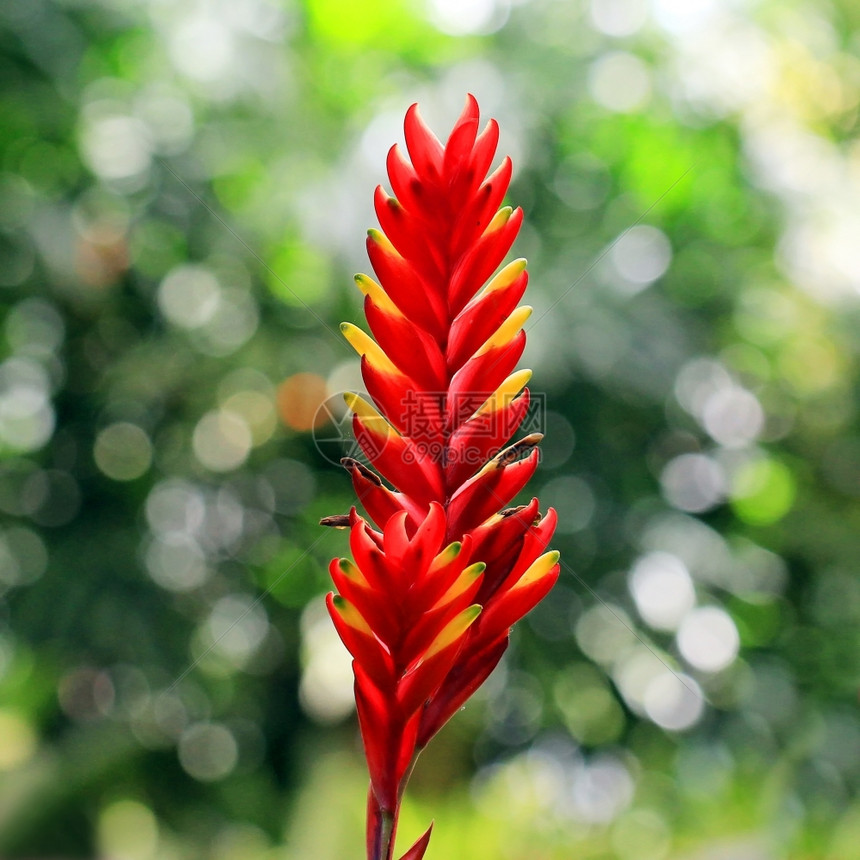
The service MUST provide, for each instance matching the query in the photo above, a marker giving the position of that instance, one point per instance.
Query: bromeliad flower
(427, 604)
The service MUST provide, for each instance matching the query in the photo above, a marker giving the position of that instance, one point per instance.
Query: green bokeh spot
(587, 706)
(758, 617)
(235, 189)
(157, 246)
(298, 275)
(659, 167)
(293, 577)
(392, 25)
(764, 492)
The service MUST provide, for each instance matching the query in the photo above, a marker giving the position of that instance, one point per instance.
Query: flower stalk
(441, 568)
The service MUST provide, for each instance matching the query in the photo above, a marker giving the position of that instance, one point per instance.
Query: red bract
(427, 604)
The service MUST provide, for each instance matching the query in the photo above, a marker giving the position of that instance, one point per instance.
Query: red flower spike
(427, 605)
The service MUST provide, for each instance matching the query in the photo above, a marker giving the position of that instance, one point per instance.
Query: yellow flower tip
(350, 615)
(359, 405)
(352, 572)
(467, 577)
(379, 238)
(501, 218)
(453, 630)
(353, 401)
(373, 421)
(473, 571)
(506, 276)
(506, 392)
(446, 556)
(451, 551)
(378, 296)
(348, 568)
(508, 330)
(539, 568)
(366, 346)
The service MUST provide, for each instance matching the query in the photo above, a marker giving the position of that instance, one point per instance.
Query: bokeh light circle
(208, 751)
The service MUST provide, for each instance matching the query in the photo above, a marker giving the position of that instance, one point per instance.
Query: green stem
(389, 829)
(387, 822)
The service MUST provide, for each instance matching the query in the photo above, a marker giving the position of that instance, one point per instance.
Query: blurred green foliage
(183, 194)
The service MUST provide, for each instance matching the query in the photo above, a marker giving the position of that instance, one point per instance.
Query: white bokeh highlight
(708, 639)
(662, 589)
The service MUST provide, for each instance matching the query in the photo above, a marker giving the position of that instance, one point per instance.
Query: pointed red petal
(510, 607)
(403, 285)
(500, 542)
(426, 543)
(482, 496)
(479, 377)
(482, 260)
(458, 686)
(374, 720)
(417, 851)
(401, 461)
(407, 234)
(422, 360)
(424, 147)
(480, 318)
(459, 145)
(405, 183)
(485, 150)
(379, 502)
(415, 413)
(376, 612)
(420, 683)
(432, 621)
(535, 542)
(476, 441)
(367, 650)
(396, 541)
(369, 558)
(443, 572)
(465, 185)
(479, 211)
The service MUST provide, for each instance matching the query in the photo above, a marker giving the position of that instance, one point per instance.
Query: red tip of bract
(423, 146)
(417, 851)
(461, 141)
